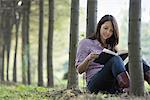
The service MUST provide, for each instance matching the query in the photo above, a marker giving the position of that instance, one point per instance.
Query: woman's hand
(84, 65)
(91, 57)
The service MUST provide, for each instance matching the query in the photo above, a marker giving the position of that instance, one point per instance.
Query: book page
(122, 52)
(104, 56)
(109, 51)
(126, 61)
(107, 54)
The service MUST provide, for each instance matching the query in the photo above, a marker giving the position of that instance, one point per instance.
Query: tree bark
(50, 80)
(25, 43)
(91, 17)
(1, 46)
(74, 31)
(16, 46)
(134, 46)
(40, 52)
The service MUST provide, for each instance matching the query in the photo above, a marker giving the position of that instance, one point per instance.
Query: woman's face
(106, 30)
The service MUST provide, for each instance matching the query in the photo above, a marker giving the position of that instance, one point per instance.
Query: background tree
(40, 52)
(74, 31)
(1, 46)
(1, 59)
(7, 24)
(25, 43)
(7, 21)
(50, 80)
(28, 42)
(15, 53)
(91, 17)
(134, 47)
(17, 24)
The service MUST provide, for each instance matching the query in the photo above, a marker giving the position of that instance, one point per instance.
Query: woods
(17, 22)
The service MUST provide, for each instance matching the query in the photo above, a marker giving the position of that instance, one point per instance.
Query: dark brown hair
(114, 39)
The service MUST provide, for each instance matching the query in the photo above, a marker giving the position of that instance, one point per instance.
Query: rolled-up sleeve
(82, 51)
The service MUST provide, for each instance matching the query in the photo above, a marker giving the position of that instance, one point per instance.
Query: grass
(23, 92)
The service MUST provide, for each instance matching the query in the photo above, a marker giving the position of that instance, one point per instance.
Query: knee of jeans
(117, 65)
(116, 59)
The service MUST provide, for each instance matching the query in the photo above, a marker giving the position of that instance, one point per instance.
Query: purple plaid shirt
(86, 46)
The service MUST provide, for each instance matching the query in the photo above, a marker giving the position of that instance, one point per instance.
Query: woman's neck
(103, 42)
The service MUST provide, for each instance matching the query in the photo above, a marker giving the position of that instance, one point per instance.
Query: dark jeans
(105, 79)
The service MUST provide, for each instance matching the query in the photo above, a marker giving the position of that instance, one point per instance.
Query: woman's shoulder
(86, 41)
(89, 42)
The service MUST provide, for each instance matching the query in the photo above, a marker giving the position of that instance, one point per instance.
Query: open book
(107, 54)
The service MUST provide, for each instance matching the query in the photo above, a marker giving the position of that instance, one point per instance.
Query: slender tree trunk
(15, 54)
(1, 49)
(91, 17)
(134, 45)
(28, 42)
(8, 45)
(8, 25)
(17, 24)
(25, 43)
(1, 59)
(24, 55)
(2, 71)
(6, 30)
(50, 80)
(40, 52)
(74, 31)
(1, 46)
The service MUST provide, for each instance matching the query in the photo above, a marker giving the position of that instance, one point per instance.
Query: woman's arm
(84, 65)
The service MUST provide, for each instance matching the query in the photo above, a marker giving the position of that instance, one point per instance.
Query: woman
(111, 77)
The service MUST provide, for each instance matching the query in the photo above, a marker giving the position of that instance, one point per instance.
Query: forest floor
(22, 92)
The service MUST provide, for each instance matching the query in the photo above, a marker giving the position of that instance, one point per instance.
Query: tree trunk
(7, 24)
(40, 52)
(17, 24)
(25, 43)
(28, 42)
(74, 31)
(8, 33)
(1, 49)
(50, 80)
(24, 55)
(134, 46)
(15, 53)
(91, 17)
(1, 58)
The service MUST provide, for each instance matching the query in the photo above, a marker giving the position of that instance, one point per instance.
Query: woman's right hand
(91, 57)
(84, 65)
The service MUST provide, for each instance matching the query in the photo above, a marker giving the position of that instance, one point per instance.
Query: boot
(123, 79)
(147, 76)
